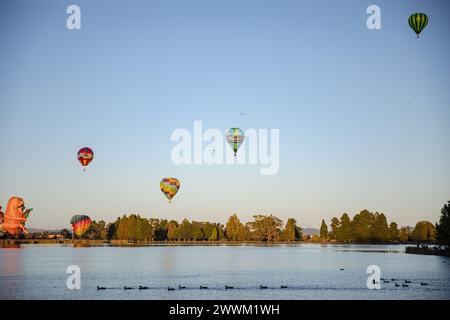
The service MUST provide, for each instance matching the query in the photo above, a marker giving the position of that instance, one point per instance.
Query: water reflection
(9, 245)
(309, 271)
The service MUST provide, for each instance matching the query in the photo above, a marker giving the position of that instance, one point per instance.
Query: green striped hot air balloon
(235, 137)
(418, 22)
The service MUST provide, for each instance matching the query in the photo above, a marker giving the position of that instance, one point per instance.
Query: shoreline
(179, 243)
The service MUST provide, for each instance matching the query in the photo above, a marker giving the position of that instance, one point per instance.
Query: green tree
(184, 230)
(197, 231)
(111, 229)
(405, 234)
(291, 231)
(394, 233)
(443, 228)
(132, 228)
(424, 231)
(131, 231)
(362, 226)
(265, 228)
(345, 231)
(323, 231)
(96, 231)
(172, 230)
(221, 231)
(144, 229)
(235, 230)
(207, 230)
(214, 235)
(122, 228)
(158, 229)
(379, 230)
(335, 224)
(103, 232)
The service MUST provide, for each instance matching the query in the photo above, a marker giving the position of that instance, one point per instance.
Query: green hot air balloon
(235, 137)
(418, 22)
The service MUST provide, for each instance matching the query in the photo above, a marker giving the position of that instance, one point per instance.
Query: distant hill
(37, 230)
(311, 231)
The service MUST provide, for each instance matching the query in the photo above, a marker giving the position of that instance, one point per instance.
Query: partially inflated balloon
(85, 156)
(80, 224)
(235, 137)
(417, 22)
(170, 187)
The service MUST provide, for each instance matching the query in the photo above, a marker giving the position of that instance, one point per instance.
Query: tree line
(364, 227)
(369, 227)
(268, 228)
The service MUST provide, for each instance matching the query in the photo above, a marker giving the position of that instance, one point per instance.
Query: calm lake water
(310, 272)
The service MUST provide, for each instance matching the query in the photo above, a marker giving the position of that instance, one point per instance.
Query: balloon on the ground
(235, 137)
(170, 187)
(80, 224)
(417, 22)
(2, 230)
(14, 218)
(85, 156)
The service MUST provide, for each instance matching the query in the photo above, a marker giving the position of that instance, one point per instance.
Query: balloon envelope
(418, 22)
(85, 156)
(170, 187)
(235, 137)
(80, 224)
(15, 217)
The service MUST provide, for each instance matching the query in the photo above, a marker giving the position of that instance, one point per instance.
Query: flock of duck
(179, 288)
(397, 283)
(405, 283)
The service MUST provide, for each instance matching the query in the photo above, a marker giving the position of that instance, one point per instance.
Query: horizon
(362, 114)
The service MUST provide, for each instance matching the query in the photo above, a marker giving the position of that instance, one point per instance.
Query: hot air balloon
(418, 22)
(170, 187)
(14, 219)
(85, 156)
(80, 224)
(235, 137)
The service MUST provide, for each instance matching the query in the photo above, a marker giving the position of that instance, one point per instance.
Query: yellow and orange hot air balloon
(170, 187)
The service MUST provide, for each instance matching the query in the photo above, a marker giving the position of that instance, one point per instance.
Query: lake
(309, 271)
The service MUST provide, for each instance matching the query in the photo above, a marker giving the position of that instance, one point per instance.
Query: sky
(363, 115)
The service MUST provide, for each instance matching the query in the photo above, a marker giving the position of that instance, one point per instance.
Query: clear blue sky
(363, 115)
